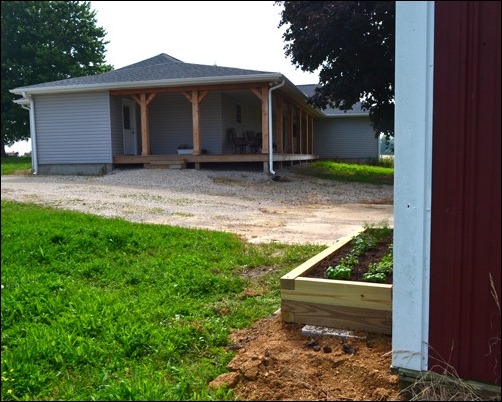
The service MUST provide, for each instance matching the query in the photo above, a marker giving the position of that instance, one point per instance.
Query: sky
(240, 34)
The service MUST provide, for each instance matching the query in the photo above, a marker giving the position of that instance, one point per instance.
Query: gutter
(230, 79)
(28, 103)
(270, 139)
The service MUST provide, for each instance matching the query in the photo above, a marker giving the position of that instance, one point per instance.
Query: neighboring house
(344, 135)
(142, 113)
(447, 191)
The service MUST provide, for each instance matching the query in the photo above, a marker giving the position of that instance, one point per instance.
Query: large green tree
(352, 42)
(45, 41)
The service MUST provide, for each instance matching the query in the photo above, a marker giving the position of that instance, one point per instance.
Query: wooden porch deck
(182, 160)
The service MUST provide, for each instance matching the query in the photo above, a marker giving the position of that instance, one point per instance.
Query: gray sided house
(344, 136)
(162, 112)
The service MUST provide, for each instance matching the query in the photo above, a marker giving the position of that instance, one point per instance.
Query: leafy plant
(365, 241)
(378, 277)
(339, 272)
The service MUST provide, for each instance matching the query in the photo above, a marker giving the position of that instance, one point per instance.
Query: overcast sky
(241, 34)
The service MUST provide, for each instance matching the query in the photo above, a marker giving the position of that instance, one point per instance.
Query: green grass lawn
(374, 172)
(104, 309)
(16, 165)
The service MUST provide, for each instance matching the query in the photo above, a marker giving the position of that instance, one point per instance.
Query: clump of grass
(431, 386)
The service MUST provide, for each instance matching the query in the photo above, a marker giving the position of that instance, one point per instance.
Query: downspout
(270, 139)
(33, 134)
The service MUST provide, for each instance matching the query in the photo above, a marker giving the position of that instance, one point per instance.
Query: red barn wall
(466, 190)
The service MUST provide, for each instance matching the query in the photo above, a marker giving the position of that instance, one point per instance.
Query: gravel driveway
(295, 209)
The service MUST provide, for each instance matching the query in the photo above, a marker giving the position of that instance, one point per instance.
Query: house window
(238, 113)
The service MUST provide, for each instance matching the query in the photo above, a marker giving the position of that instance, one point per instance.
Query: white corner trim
(412, 183)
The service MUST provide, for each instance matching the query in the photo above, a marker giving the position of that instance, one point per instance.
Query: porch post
(280, 125)
(300, 128)
(311, 126)
(196, 98)
(143, 102)
(290, 129)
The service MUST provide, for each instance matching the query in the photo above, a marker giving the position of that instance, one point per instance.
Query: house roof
(356, 110)
(161, 70)
(166, 71)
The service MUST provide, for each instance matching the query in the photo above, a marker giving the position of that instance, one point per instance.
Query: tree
(353, 44)
(45, 41)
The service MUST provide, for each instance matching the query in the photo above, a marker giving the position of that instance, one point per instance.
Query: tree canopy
(45, 41)
(352, 42)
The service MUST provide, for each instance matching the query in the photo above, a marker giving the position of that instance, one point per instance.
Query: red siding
(466, 190)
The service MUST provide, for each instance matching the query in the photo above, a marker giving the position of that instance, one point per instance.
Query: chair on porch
(253, 140)
(239, 143)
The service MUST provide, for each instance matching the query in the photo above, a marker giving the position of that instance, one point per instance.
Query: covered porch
(201, 118)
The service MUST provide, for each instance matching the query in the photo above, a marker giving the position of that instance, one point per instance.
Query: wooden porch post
(307, 133)
(196, 99)
(311, 126)
(290, 129)
(300, 128)
(143, 102)
(279, 125)
(263, 96)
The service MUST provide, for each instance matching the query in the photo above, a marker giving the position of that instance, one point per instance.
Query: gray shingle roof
(161, 67)
(309, 90)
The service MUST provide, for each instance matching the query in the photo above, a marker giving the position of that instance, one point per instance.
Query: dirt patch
(276, 361)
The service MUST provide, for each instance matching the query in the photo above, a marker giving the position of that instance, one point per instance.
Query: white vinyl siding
(171, 123)
(73, 128)
(350, 138)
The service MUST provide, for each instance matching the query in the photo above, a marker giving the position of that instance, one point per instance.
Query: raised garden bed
(308, 297)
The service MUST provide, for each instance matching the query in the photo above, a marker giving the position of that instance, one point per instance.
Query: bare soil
(275, 361)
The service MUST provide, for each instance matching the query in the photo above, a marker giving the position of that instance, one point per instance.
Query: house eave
(275, 77)
(345, 115)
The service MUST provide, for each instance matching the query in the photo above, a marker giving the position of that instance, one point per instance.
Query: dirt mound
(277, 361)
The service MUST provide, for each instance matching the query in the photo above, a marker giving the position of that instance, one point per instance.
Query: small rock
(348, 349)
(327, 349)
(311, 343)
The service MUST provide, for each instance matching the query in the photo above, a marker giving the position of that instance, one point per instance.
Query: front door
(129, 127)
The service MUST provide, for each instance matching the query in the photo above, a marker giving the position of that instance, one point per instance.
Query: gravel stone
(293, 209)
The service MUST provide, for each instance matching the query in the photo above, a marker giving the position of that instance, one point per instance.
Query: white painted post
(412, 183)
